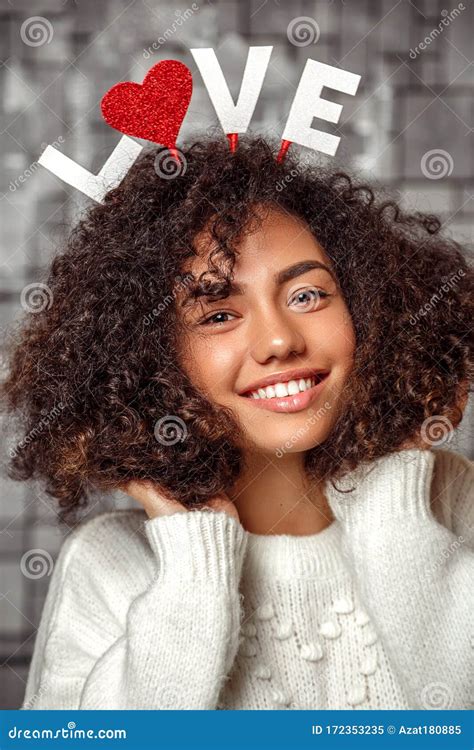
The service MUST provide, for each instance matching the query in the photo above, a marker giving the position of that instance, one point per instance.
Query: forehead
(272, 242)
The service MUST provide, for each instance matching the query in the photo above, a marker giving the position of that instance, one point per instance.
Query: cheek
(208, 367)
(346, 339)
(344, 350)
(335, 335)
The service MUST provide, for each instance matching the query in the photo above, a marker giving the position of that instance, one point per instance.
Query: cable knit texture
(190, 611)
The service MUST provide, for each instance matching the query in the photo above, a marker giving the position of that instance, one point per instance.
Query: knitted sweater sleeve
(415, 574)
(178, 638)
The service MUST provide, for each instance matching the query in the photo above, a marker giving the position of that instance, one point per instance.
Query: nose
(274, 335)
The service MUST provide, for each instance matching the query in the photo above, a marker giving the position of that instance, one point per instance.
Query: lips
(290, 404)
(284, 377)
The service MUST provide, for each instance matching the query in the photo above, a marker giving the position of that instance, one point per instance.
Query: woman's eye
(211, 319)
(310, 298)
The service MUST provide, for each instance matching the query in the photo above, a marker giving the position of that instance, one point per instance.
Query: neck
(273, 496)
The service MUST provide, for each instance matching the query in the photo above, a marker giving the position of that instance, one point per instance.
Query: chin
(287, 442)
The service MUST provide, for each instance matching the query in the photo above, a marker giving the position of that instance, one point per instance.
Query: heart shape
(153, 110)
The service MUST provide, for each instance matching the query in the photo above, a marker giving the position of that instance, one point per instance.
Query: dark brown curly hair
(91, 375)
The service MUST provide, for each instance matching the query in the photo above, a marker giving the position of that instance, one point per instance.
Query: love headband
(155, 109)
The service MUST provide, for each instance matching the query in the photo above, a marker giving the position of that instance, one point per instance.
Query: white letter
(94, 186)
(308, 104)
(234, 118)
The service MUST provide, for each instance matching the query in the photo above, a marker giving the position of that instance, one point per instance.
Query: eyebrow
(299, 268)
(286, 274)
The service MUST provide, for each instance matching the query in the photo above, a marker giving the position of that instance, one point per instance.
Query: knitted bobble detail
(283, 631)
(343, 606)
(357, 693)
(330, 629)
(265, 612)
(312, 651)
(361, 617)
(263, 672)
(249, 630)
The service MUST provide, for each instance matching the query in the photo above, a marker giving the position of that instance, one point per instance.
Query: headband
(155, 109)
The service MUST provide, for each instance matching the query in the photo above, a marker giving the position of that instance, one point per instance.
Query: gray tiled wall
(410, 101)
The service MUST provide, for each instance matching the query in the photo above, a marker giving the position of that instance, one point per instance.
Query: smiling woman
(285, 310)
(124, 377)
(284, 360)
(282, 346)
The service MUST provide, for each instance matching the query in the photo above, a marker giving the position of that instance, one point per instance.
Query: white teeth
(280, 390)
(293, 388)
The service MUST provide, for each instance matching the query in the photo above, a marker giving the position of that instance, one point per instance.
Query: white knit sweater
(190, 611)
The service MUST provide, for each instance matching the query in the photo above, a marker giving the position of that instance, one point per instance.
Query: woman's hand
(158, 502)
(422, 439)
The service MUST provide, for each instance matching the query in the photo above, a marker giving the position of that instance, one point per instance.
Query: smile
(289, 397)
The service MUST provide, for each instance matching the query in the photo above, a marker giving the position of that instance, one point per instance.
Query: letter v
(234, 118)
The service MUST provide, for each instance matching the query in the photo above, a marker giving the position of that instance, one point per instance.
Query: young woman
(267, 358)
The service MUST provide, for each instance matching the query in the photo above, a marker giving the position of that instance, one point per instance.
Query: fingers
(155, 500)
(223, 503)
(159, 502)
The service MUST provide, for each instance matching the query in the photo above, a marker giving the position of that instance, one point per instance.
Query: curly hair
(92, 375)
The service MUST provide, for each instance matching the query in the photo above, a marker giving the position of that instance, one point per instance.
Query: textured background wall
(416, 96)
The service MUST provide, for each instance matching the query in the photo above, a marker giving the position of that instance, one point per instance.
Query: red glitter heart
(155, 109)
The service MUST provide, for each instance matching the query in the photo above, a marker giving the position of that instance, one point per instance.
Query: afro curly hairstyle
(94, 386)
